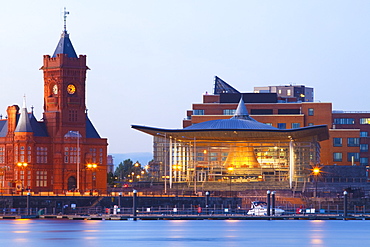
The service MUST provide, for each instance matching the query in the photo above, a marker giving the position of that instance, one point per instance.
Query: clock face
(55, 89)
(71, 89)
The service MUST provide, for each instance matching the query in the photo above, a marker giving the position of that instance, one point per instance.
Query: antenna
(65, 19)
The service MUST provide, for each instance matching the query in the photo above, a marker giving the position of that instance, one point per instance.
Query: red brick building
(348, 131)
(62, 152)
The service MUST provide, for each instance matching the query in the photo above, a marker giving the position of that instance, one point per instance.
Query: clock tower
(64, 89)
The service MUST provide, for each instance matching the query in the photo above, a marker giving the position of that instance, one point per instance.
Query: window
(289, 92)
(337, 142)
(289, 111)
(72, 116)
(337, 156)
(310, 124)
(363, 134)
(364, 161)
(296, 125)
(2, 155)
(353, 142)
(279, 92)
(42, 154)
(41, 178)
(198, 112)
(364, 120)
(310, 111)
(261, 111)
(213, 156)
(281, 125)
(226, 112)
(344, 121)
(269, 124)
(364, 147)
(355, 155)
(200, 156)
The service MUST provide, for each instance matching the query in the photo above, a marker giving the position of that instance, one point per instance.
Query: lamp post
(92, 167)
(22, 166)
(230, 170)
(316, 171)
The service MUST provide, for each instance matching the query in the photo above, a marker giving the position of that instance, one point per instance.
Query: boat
(259, 208)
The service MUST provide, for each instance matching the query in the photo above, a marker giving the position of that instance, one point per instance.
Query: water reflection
(183, 233)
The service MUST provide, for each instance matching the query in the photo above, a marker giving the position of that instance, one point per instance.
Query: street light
(316, 172)
(92, 167)
(22, 165)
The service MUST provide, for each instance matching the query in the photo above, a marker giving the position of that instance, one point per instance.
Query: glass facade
(187, 161)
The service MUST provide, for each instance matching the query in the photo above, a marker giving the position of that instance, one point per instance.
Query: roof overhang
(320, 131)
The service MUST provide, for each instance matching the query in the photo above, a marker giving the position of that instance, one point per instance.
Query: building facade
(348, 142)
(62, 152)
(235, 149)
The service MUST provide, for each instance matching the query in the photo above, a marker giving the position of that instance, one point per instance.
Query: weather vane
(65, 18)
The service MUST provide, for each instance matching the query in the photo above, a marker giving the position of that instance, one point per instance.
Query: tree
(129, 171)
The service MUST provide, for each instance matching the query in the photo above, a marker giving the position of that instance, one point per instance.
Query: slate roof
(65, 46)
(3, 128)
(23, 124)
(90, 130)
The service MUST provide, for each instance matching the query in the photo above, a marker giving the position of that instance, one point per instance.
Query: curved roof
(233, 123)
(240, 127)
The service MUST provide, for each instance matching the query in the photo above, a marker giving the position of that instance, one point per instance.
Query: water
(184, 233)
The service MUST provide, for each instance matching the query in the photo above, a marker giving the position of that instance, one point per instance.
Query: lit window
(337, 142)
(289, 92)
(269, 124)
(364, 120)
(337, 157)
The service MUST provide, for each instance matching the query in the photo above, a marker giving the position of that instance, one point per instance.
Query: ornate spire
(65, 13)
(65, 45)
(23, 124)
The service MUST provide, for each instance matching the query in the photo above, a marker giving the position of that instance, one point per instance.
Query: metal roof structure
(238, 128)
(65, 46)
(222, 87)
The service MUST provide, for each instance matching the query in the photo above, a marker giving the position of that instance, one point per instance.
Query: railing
(329, 209)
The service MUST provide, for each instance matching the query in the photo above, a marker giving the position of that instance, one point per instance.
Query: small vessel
(259, 208)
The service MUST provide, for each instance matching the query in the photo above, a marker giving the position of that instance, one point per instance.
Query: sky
(150, 60)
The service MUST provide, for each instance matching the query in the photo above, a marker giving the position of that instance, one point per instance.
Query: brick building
(63, 151)
(348, 142)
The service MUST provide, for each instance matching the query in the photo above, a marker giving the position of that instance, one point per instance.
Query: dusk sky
(150, 60)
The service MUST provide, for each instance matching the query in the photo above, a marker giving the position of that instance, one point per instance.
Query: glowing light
(316, 171)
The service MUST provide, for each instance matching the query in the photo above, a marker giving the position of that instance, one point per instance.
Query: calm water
(184, 233)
